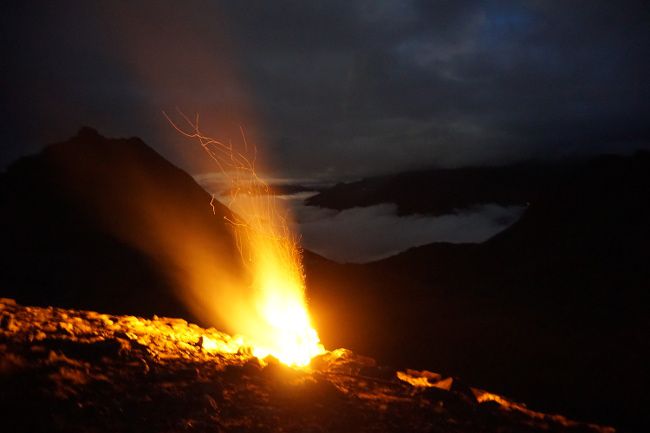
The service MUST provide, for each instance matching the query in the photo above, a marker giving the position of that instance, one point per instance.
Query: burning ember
(274, 317)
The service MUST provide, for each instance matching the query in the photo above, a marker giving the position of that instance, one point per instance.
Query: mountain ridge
(439, 191)
(550, 311)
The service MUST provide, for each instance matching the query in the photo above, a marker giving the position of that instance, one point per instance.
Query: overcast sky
(333, 88)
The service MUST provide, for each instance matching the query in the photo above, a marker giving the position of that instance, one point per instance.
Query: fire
(275, 321)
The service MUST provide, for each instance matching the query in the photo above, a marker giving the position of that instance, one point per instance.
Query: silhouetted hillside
(552, 311)
(554, 307)
(441, 191)
(62, 208)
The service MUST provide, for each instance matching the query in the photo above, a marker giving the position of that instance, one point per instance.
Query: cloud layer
(336, 88)
(364, 234)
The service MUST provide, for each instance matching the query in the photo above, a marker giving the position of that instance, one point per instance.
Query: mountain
(78, 223)
(442, 191)
(553, 310)
(66, 370)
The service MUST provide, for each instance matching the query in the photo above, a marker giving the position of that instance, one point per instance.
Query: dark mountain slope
(441, 191)
(68, 219)
(552, 311)
(556, 307)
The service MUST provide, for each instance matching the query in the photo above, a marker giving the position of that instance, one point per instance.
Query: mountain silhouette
(552, 311)
(64, 215)
(442, 191)
(554, 308)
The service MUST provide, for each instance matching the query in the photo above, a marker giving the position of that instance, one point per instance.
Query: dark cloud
(337, 87)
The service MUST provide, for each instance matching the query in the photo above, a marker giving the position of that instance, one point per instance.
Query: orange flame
(277, 322)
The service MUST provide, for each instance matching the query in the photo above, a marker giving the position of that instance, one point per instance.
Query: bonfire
(277, 323)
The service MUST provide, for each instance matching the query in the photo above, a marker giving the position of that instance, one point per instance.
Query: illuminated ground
(77, 371)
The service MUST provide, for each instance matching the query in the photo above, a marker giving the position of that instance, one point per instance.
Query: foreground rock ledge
(81, 371)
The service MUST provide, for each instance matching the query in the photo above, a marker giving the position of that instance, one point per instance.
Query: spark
(279, 323)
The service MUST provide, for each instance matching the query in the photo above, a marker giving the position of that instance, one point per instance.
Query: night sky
(334, 89)
(530, 281)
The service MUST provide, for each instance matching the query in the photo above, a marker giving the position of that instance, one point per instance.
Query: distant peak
(87, 132)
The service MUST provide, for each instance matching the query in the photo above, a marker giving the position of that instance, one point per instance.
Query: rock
(134, 374)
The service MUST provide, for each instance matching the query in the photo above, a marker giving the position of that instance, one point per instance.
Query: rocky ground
(80, 371)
